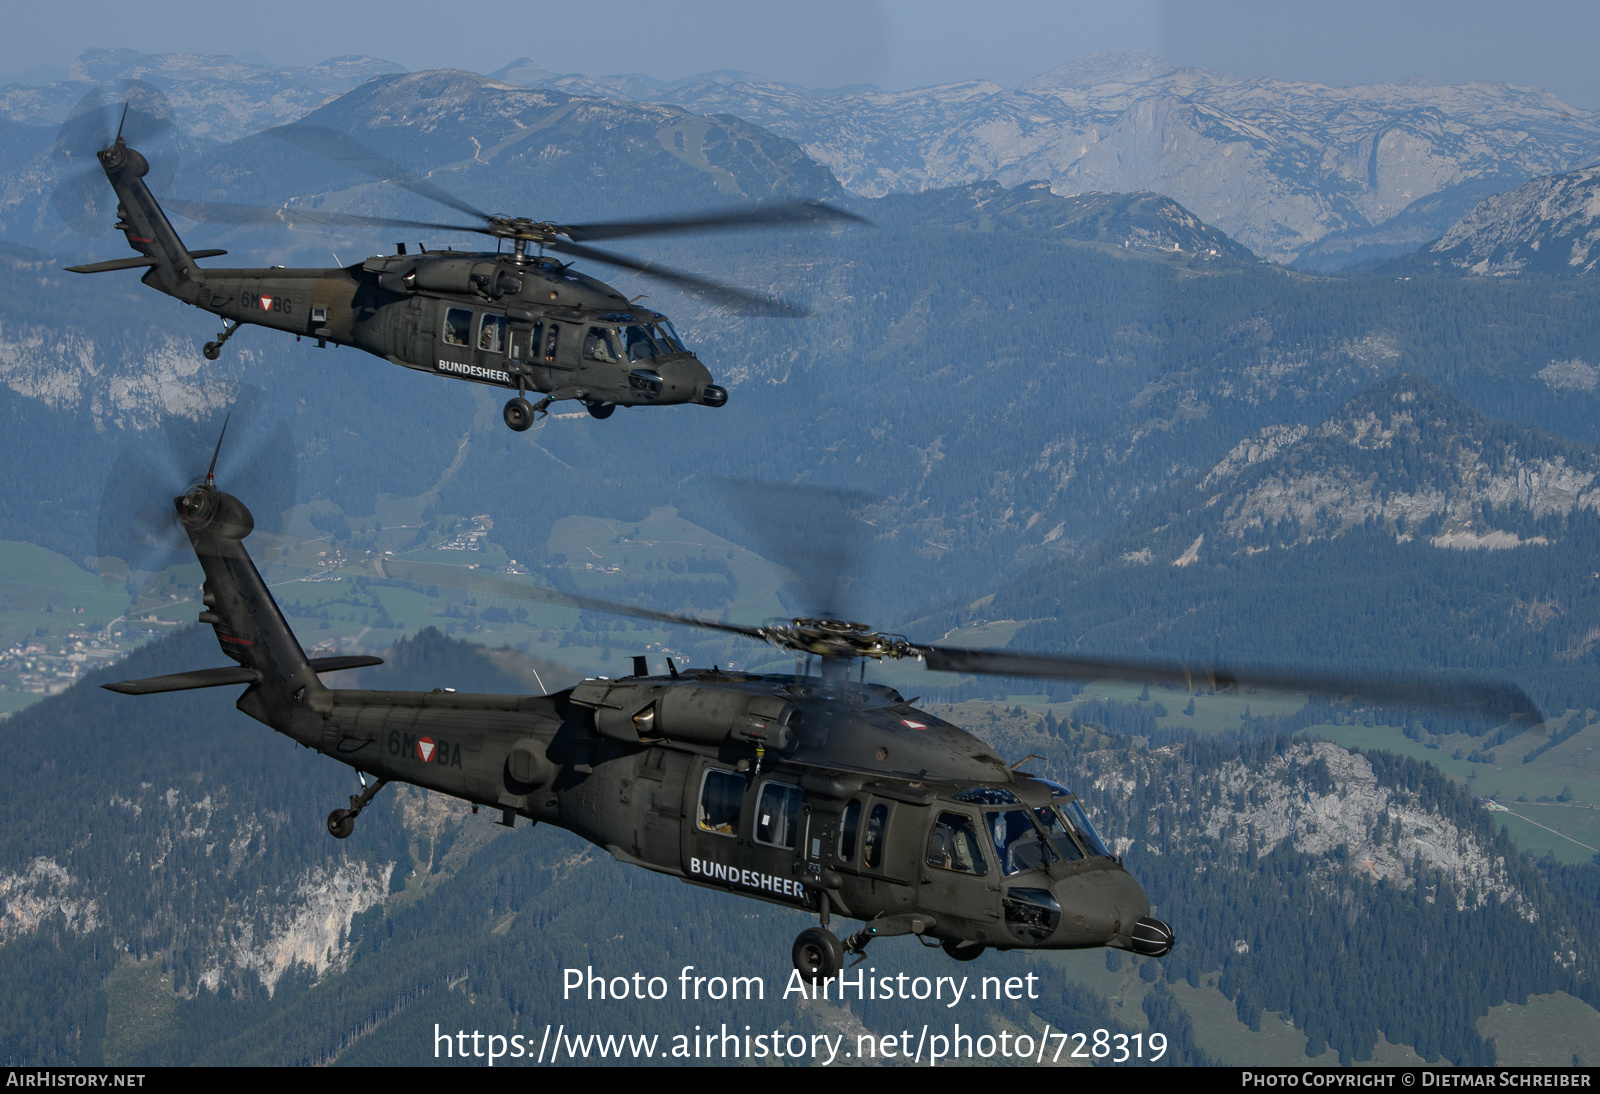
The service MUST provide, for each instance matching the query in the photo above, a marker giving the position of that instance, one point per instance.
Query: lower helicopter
(833, 796)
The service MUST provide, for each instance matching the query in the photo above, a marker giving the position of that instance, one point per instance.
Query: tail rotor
(132, 113)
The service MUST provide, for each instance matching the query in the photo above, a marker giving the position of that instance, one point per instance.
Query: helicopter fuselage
(515, 321)
(883, 811)
(538, 327)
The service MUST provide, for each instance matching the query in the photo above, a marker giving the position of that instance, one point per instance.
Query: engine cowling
(453, 275)
(689, 713)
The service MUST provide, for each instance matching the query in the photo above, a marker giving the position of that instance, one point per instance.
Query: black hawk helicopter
(814, 792)
(516, 320)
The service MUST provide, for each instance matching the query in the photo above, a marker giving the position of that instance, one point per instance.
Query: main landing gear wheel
(601, 410)
(518, 414)
(818, 954)
(962, 950)
(341, 822)
(213, 350)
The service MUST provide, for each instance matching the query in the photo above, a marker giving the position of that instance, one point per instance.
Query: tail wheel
(518, 414)
(212, 350)
(341, 822)
(962, 950)
(601, 410)
(818, 953)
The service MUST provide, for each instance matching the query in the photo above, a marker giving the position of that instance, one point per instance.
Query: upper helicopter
(833, 796)
(516, 319)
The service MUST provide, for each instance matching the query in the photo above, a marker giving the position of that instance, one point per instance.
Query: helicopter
(816, 792)
(513, 319)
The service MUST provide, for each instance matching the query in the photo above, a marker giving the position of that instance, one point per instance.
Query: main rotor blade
(752, 303)
(792, 214)
(811, 531)
(1435, 692)
(215, 212)
(333, 145)
(433, 573)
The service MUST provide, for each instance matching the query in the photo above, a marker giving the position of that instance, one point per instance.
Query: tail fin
(249, 627)
(140, 219)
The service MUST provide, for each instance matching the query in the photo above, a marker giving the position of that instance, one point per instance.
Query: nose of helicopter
(1107, 907)
(690, 381)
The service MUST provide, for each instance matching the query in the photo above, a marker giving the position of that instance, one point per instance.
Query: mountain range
(1297, 172)
(1324, 177)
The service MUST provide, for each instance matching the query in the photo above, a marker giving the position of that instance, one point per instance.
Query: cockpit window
(1059, 834)
(1017, 843)
(601, 345)
(720, 797)
(953, 845)
(638, 343)
(669, 335)
(1073, 813)
(778, 814)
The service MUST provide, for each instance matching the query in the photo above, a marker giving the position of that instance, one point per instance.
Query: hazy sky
(826, 43)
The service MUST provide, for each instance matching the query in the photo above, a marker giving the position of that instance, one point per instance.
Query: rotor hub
(197, 505)
(837, 639)
(522, 228)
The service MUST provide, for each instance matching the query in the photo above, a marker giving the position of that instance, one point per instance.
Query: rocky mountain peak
(1404, 456)
(1549, 226)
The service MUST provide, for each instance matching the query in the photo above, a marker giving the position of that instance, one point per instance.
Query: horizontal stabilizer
(334, 664)
(132, 263)
(188, 681)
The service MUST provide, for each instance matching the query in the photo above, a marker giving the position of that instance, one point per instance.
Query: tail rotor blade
(135, 112)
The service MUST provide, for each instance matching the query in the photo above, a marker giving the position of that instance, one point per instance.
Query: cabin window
(601, 345)
(877, 824)
(720, 798)
(953, 845)
(778, 814)
(458, 327)
(1017, 843)
(849, 830)
(551, 338)
(492, 334)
